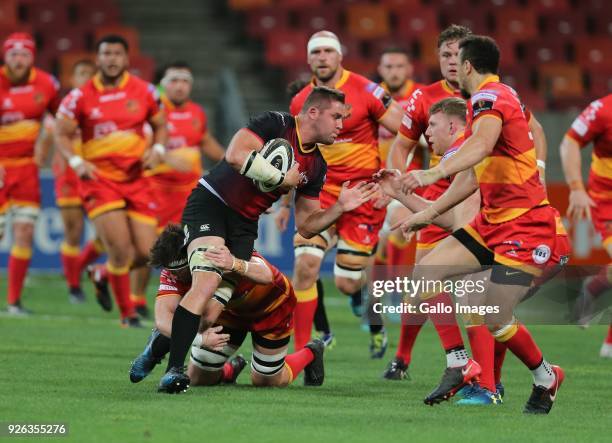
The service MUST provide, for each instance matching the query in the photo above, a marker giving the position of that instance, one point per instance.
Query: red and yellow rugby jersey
(354, 155)
(250, 300)
(385, 137)
(595, 125)
(240, 193)
(415, 121)
(111, 122)
(187, 126)
(509, 180)
(22, 108)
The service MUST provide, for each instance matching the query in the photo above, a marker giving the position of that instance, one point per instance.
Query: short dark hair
(113, 39)
(83, 62)
(168, 248)
(395, 50)
(296, 86)
(482, 52)
(179, 64)
(451, 106)
(322, 97)
(452, 33)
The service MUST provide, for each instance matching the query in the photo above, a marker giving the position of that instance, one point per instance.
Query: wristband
(158, 148)
(240, 266)
(75, 161)
(576, 185)
(541, 164)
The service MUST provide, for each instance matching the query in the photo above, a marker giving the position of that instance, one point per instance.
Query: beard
(325, 78)
(395, 88)
(465, 94)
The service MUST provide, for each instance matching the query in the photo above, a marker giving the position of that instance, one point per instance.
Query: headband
(330, 42)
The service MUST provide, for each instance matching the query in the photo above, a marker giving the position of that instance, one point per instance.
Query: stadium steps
(208, 38)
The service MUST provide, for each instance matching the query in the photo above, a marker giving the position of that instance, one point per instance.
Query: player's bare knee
(306, 271)
(348, 286)
(23, 234)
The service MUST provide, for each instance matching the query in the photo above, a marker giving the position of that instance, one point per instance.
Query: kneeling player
(262, 303)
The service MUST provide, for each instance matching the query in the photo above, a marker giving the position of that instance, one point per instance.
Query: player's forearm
(63, 143)
(540, 144)
(177, 161)
(255, 270)
(286, 200)
(461, 188)
(399, 151)
(392, 119)
(472, 152)
(43, 146)
(571, 162)
(417, 204)
(212, 149)
(317, 221)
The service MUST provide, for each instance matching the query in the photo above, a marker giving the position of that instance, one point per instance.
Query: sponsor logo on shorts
(541, 254)
(205, 227)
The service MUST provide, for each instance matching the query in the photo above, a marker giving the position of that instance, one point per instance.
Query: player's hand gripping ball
(279, 153)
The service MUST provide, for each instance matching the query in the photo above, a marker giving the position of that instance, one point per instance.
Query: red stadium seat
(41, 13)
(600, 83)
(266, 20)
(128, 33)
(351, 48)
(532, 99)
(564, 24)
(367, 21)
(594, 53)
(549, 6)
(313, 20)
(519, 24)
(413, 23)
(428, 44)
(301, 4)
(143, 66)
(64, 39)
(602, 24)
(478, 23)
(8, 12)
(397, 5)
(66, 62)
(245, 5)
(540, 51)
(98, 13)
(507, 48)
(7, 30)
(362, 66)
(518, 77)
(560, 80)
(454, 6)
(286, 48)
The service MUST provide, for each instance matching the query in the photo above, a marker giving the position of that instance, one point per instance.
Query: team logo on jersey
(39, 98)
(7, 103)
(132, 105)
(95, 113)
(541, 254)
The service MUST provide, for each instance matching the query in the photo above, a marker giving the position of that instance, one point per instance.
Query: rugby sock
(18, 264)
(482, 345)
(410, 328)
(543, 374)
(609, 337)
(446, 323)
(399, 251)
(521, 343)
(320, 316)
(160, 346)
(70, 263)
(119, 280)
(375, 329)
(184, 329)
(90, 253)
(600, 282)
(303, 316)
(297, 361)
(455, 358)
(498, 361)
(138, 300)
(228, 372)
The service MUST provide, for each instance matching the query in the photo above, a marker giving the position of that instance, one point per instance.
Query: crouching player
(262, 303)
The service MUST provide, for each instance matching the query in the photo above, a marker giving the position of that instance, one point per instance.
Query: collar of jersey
(489, 79)
(343, 78)
(168, 103)
(97, 82)
(447, 87)
(30, 78)
(402, 92)
(299, 137)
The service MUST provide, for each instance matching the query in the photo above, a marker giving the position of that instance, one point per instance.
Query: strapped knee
(199, 263)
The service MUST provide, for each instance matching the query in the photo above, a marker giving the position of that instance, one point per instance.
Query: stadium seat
(549, 6)
(564, 24)
(299, 4)
(367, 21)
(361, 65)
(286, 48)
(399, 5)
(143, 66)
(42, 13)
(8, 13)
(98, 13)
(130, 34)
(532, 99)
(413, 23)
(600, 83)
(545, 51)
(478, 23)
(594, 53)
(6, 30)
(559, 80)
(519, 24)
(316, 19)
(602, 24)
(266, 20)
(245, 5)
(66, 62)
(64, 39)
(518, 77)
(508, 50)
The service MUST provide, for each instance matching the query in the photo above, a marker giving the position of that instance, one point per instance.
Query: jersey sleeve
(377, 100)
(70, 106)
(167, 284)
(54, 96)
(587, 125)
(313, 188)
(489, 103)
(412, 122)
(268, 125)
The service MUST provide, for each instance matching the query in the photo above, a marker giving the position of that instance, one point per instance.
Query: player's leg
(309, 254)
(321, 321)
(70, 249)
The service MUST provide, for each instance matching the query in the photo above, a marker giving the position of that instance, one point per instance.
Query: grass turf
(69, 363)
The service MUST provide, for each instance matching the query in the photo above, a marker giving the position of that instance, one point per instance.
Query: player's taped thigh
(199, 263)
(224, 291)
(210, 360)
(317, 245)
(505, 275)
(24, 214)
(350, 261)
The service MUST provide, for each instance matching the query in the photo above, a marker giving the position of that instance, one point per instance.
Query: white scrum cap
(324, 39)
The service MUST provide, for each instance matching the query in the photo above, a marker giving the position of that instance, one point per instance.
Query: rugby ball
(279, 153)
